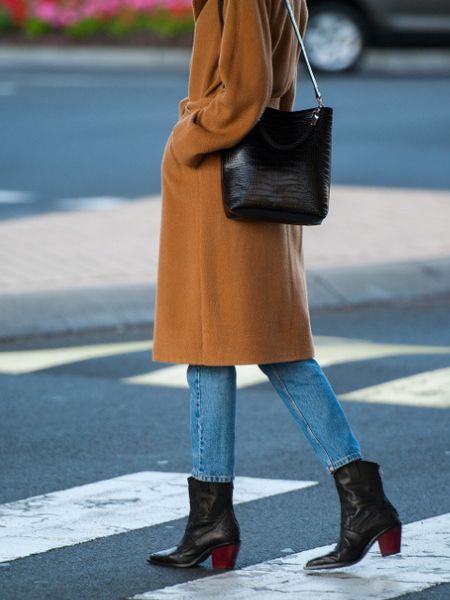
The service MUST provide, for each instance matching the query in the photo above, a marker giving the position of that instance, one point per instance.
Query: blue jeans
(303, 387)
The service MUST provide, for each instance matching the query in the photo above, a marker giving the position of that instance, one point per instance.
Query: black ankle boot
(212, 528)
(366, 516)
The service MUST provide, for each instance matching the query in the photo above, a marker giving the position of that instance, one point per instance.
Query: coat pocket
(169, 163)
(170, 150)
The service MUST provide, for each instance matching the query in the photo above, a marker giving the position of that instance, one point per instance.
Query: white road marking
(329, 351)
(431, 388)
(175, 376)
(424, 561)
(27, 361)
(333, 350)
(94, 203)
(15, 197)
(112, 506)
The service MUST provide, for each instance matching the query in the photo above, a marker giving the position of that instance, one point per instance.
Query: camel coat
(229, 292)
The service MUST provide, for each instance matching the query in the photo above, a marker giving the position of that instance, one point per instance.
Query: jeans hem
(344, 460)
(212, 478)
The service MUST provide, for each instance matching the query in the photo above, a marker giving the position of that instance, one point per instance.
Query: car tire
(336, 37)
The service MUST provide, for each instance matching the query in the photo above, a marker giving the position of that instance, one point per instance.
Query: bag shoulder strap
(299, 38)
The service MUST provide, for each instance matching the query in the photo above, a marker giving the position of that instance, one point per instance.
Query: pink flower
(60, 13)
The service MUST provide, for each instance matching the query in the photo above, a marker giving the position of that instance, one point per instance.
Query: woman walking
(233, 292)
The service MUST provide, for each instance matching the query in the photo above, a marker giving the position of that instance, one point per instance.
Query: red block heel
(389, 541)
(225, 556)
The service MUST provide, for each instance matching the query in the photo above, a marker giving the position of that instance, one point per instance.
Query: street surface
(93, 411)
(94, 137)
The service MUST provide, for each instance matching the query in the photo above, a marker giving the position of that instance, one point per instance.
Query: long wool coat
(229, 292)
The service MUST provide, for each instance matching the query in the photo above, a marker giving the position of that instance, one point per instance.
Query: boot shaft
(211, 505)
(360, 491)
(359, 481)
(209, 499)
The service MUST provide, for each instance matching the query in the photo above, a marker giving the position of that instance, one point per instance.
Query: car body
(339, 31)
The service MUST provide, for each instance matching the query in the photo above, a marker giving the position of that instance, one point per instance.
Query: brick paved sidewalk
(365, 226)
(375, 244)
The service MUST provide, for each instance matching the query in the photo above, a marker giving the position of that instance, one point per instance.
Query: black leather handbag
(280, 171)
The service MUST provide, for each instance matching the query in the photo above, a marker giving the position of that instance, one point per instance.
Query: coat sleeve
(245, 69)
(181, 106)
(287, 100)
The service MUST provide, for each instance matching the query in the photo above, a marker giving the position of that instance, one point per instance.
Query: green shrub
(6, 23)
(35, 27)
(84, 28)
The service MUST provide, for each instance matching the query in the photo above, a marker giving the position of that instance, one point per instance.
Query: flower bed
(97, 21)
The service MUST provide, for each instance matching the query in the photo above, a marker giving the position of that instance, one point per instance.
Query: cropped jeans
(304, 389)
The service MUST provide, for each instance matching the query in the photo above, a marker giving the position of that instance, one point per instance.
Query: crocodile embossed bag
(280, 171)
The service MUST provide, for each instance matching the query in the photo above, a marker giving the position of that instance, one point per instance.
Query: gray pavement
(74, 417)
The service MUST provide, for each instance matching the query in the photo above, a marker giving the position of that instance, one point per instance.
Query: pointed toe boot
(367, 516)
(212, 529)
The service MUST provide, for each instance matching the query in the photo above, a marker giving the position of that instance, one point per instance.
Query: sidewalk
(86, 270)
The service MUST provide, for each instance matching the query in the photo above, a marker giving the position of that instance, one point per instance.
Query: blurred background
(89, 92)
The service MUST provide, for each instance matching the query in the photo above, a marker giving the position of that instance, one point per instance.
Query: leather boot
(366, 516)
(212, 528)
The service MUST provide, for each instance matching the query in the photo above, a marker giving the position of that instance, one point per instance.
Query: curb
(57, 313)
(397, 61)
(391, 282)
(93, 57)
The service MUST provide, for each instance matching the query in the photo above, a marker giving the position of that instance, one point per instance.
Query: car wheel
(335, 37)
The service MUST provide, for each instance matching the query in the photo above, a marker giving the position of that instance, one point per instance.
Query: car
(339, 31)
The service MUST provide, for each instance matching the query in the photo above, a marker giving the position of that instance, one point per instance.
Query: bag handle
(299, 38)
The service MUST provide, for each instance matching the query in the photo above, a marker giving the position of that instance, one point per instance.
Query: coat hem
(265, 359)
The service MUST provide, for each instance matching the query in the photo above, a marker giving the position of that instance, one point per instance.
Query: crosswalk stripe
(112, 506)
(15, 196)
(431, 388)
(175, 376)
(424, 561)
(90, 203)
(330, 350)
(428, 389)
(27, 361)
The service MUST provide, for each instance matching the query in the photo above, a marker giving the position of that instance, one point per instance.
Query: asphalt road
(74, 137)
(68, 420)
